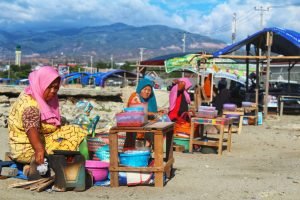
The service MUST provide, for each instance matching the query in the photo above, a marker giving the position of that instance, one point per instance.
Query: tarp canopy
(285, 42)
(160, 60)
(100, 77)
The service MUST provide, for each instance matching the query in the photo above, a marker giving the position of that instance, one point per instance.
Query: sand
(264, 164)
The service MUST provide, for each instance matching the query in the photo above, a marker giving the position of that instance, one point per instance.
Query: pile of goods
(207, 112)
(133, 116)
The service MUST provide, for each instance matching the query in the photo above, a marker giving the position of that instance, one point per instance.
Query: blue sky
(212, 18)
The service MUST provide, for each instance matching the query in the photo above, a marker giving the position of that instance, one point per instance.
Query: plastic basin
(98, 169)
(135, 158)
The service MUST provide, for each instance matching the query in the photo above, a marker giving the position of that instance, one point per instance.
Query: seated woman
(222, 97)
(144, 94)
(34, 121)
(179, 99)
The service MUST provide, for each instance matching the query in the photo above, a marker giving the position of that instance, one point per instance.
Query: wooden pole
(257, 87)
(247, 67)
(269, 45)
(137, 72)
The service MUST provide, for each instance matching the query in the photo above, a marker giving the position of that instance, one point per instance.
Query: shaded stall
(284, 43)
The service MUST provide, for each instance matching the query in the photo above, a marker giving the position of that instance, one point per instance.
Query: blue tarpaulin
(285, 42)
(99, 77)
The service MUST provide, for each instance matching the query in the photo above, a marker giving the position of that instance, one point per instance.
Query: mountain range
(120, 41)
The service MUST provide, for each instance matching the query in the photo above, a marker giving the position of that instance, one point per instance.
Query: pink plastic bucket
(99, 169)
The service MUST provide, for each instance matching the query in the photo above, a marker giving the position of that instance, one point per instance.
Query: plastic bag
(84, 107)
(164, 118)
(81, 120)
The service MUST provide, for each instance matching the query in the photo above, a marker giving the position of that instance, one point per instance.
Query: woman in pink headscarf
(179, 99)
(34, 121)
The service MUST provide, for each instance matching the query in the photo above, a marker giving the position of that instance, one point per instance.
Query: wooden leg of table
(220, 148)
(240, 124)
(192, 136)
(229, 137)
(169, 150)
(113, 148)
(281, 108)
(158, 158)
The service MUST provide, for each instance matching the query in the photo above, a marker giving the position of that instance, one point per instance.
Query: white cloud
(212, 18)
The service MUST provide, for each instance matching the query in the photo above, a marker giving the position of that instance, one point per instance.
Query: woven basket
(94, 144)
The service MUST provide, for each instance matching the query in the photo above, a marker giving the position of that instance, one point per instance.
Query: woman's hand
(39, 156)
(37, 145)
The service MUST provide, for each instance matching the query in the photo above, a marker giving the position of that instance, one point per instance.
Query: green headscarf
(152, 106)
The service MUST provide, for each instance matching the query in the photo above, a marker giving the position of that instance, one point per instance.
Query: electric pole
(262, 10)
(91, 64)
(183, 43)
(112, 61)
(233, 36)
(141, 53)
(8, 68)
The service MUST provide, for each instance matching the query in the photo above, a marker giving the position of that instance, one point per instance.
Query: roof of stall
(285, 42)
(160, 60)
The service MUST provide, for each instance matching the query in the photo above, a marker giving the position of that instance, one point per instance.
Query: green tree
(102, 65)
(20, 72)
(76, 68)
(127, 66)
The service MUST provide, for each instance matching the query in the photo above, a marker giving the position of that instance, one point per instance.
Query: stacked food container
(133, 116)
(207, 112)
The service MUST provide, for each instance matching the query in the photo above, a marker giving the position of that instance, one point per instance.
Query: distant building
(18, 55)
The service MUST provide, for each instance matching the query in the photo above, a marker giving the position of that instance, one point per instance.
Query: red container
(133, 119)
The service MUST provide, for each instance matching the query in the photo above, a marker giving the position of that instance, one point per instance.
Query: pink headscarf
(39, 80)
(174, 90)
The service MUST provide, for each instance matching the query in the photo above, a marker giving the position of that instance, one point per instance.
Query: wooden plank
(136, 169)
(192, 136)
(159, 125)
(113, 146)
(43, 186)
(221, 141)
(178, 148)
(158, 158)
(35, 186)
(26, 183)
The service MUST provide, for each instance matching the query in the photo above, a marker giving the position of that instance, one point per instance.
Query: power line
(228, 26)
(262, 10)
(285, 5)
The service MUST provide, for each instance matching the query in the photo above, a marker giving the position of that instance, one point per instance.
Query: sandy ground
(264, 164)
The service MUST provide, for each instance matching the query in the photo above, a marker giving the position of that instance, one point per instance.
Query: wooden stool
(240, 124)
(213, 142)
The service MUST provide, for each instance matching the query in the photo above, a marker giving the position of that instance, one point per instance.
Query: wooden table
(214, 142)
(241, 116)
(159, 129)
(282, 99)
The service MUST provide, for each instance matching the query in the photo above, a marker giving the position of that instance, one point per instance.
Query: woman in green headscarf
(144, 94)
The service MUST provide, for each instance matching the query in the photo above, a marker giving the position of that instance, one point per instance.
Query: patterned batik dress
(24, 114)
